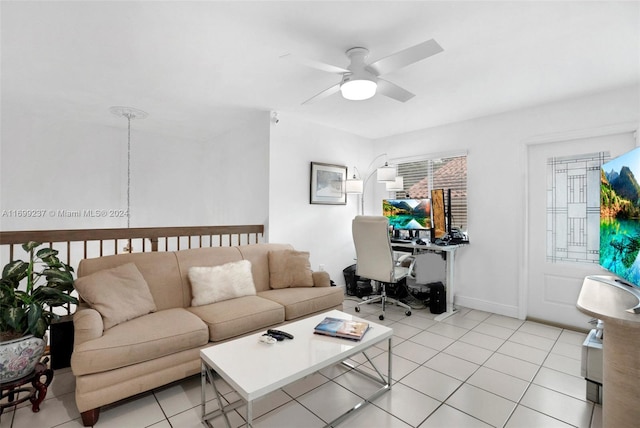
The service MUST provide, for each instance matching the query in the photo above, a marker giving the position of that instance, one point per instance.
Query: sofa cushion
(208, 256)
(300, 302)
(321, 279)
(159, 268)
(118, 294)
(258, 255)
(289, 268)
(142, 339)
(212, 284)
(238, 316)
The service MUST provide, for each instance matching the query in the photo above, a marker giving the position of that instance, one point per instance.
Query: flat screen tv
(408, 214)
(620, 217)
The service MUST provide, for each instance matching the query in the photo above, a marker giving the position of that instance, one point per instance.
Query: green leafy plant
(28, 310)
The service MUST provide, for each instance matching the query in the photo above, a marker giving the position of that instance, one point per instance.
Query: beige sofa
(147, 351)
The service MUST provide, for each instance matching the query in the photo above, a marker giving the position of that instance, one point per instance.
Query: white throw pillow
(218, 283)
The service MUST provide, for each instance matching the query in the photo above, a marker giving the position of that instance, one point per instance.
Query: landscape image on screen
(620, 216)
(406, 214)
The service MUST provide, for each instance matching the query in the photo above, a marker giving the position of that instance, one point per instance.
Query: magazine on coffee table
(346, 329)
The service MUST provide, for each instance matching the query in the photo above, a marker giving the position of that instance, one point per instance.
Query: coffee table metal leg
(249, 414)
(207, 373)
(389, 365)
(386, 386)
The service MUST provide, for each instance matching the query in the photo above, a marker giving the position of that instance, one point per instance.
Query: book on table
(346, 329)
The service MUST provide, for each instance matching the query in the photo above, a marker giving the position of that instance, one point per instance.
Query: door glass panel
(573, 207)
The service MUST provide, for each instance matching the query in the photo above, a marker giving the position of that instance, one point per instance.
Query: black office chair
(375, 258)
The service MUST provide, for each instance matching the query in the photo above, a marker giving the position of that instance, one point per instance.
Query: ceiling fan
(361, 81)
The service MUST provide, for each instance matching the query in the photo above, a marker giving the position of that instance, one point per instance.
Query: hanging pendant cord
(129, 171)
(129, 113)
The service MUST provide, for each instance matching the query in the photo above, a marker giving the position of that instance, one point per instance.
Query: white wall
(53, 164)
(488, 271)
(324, 230)
(237, 175)
(167, 177)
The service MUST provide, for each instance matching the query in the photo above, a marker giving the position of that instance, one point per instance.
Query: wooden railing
(150, 238)
(76, 244)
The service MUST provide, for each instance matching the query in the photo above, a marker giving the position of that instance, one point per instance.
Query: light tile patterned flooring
(474, 369)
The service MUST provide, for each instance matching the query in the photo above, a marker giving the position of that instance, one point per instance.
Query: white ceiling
(199, 67)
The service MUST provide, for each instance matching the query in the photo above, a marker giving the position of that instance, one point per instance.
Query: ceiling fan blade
(405, 57)
(315, 64)
(394, 91)
(324, 94)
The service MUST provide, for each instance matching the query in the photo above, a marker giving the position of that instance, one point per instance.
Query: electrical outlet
(321, 267)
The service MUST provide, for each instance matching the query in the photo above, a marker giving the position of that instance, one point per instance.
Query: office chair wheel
(357, 308)
(408, 313)
(381, 317)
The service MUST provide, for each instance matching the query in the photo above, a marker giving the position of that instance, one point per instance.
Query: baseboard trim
(558, 325)
(484, 305)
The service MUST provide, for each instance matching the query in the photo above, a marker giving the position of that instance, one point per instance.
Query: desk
(601, 297)
(450, 252)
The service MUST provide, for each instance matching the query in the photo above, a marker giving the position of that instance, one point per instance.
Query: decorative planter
(19, 357)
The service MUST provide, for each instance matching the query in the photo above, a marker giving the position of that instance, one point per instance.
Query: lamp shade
(386, 173)
(358, 89)
(354, 186)
(396, 186)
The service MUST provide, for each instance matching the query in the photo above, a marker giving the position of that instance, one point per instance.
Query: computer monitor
(620, 217)
(408, 214)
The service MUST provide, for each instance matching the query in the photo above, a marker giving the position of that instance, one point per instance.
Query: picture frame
(327, 184)
(438, 215)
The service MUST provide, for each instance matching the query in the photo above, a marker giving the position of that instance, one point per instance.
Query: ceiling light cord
(129, 113)
(128, 116)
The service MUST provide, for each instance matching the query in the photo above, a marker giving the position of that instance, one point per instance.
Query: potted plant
(28, 292)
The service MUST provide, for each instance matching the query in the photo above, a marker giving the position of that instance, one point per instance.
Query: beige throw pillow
(289, 268)
(118, 294)
(218, 283)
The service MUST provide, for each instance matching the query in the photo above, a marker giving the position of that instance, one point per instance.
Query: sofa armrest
(87, 325)
(321, 279)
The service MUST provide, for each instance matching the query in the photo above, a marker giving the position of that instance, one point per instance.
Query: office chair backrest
(373, 248)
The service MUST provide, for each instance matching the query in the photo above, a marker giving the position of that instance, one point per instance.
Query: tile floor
(475, 369)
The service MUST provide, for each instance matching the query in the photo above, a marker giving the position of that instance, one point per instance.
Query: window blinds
(422, 176)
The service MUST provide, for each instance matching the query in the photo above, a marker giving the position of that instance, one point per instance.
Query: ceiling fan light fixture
(358, 89)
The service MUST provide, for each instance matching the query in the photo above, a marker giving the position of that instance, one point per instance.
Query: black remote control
(275, 333)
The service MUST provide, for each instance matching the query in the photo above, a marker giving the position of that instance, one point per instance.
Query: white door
(563, 223)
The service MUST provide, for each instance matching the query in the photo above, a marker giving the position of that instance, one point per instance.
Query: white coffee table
(254, 369)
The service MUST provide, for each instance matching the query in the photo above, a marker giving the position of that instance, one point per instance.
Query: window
(445, 172)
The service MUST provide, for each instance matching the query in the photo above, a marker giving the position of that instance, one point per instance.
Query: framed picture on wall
(328, 184)
(438, 215)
